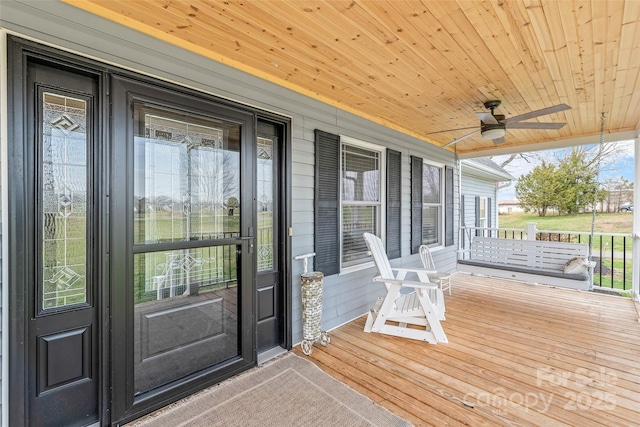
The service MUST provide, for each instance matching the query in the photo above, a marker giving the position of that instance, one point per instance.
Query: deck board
(518, 354)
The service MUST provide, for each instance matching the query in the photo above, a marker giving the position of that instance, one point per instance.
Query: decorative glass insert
(64, 201)
(186, 179)
(264, 238)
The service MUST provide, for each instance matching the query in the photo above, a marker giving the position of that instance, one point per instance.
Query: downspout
(4, 203)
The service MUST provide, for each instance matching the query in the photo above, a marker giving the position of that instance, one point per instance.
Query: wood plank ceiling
(422, 67)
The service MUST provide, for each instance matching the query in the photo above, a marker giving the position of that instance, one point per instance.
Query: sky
(622, 166)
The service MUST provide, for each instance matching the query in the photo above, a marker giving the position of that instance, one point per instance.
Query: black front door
(55, 276)
(146, 238)
(182, 233)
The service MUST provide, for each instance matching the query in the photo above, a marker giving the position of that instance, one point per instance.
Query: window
(351, 179)
(432, 204)
(362, 175)
(482, 213)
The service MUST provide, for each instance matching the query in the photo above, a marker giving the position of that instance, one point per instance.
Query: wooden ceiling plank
(628, 62)
(392, 89)
(517, 23)
(544, 81)
(416, 39)
(418, 65)
(515, 104)
(305, 76)
(614, 26)
(574, 72)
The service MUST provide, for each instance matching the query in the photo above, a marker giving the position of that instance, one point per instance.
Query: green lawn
(605, 222)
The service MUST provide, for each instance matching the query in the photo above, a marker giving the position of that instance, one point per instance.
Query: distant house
(507, 207)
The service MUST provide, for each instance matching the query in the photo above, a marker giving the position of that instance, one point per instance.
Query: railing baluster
(573, 237)
(624, 263)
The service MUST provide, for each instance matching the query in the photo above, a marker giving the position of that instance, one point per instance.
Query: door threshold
(270, 354)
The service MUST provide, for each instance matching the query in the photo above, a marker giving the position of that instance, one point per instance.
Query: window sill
(355, 268)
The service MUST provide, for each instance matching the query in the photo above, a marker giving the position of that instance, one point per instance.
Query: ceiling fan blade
(452, 130)
(455, 141)
(535, 125)
(487, 118)
(536, 113)
(498, 141)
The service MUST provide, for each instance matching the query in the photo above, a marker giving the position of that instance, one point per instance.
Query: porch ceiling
(425, 66)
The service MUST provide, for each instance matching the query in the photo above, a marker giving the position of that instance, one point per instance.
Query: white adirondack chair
(415, 314)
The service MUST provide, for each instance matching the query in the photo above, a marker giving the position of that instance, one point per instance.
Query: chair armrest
(414, 270)
(407, 283)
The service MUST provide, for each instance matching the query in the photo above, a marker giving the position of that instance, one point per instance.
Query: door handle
(250, 239)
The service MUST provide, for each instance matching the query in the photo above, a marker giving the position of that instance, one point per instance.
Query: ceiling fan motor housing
(492, 131)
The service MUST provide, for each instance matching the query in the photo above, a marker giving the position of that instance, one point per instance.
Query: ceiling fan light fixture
(493, 131)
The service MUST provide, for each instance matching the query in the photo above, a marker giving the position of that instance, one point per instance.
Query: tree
(570, 186)
(537, 190)
(619, 190)
(577, 183)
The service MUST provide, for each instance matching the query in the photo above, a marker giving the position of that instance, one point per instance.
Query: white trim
(382, 151)
(635, 266)
(4, 194)
(539, 146)
(441, 204)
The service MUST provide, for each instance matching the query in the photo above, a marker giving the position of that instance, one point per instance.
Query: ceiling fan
(493, 126)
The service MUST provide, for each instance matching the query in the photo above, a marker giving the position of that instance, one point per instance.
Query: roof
(486, 168)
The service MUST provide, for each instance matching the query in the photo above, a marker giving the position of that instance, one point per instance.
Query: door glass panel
(264, 238)
(64, 201)
(186, 189)
(186, 184)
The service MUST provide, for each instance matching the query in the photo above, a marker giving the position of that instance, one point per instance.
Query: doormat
(287, 391)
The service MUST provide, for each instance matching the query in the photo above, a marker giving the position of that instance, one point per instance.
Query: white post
(531, 231)
(635, 277)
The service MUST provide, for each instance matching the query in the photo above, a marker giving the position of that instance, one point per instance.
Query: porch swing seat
(411, 308)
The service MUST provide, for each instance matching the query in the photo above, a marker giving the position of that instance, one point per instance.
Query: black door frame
(20, 243)
(19, 50)
(124, 92)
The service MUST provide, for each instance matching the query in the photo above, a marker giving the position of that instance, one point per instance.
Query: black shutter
(394, 178)
(416, 204)
(477, 215)
(464, 233)
(489, 221)
(489, 211)
(327, 202)
(448, 206)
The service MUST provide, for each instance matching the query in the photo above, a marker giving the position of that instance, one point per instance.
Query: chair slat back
(376, 247)
(426, 258)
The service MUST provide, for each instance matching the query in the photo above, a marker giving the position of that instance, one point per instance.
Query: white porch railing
(612, 252)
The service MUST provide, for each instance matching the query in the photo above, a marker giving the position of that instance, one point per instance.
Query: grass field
(605, 222)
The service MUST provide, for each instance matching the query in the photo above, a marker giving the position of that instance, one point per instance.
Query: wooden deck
(518, 354)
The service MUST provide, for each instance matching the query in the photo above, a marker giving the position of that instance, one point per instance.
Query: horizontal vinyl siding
(345, 296)
(472, 187)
